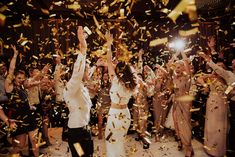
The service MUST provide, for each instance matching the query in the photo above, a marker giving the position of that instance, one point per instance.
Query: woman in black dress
(19, 109)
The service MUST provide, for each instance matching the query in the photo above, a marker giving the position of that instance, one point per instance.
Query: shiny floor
(166, 148)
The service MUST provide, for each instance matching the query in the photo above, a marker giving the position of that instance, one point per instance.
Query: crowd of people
(26, 102)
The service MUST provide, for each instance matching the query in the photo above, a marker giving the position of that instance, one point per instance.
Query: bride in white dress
(122, 88)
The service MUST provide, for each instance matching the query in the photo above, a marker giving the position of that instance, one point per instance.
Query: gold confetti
(100, 33)
(158, 42)
(24, 42)
(104, 9)
(194, 109)
(185, 98)
(35, 57)
(114, 2)
(3, 8)
(45, 11)
(78, 149)
(208, 148)
(188, 32)
(59, 3)
(195, 25)
(52, 15)
(88, 31)
(96, 22)
(109, 136)
(26, 21)
(229, 89)
(165, 10)
(17, 25)
(184, 5)
(41, 155)
(122, 14)
(75, 6)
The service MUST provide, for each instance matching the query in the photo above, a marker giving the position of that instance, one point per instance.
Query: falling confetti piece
(158, 42)
(78, 149)
(41, 155)
(109, 136)
(96, 22)
(122, 13)
(2, 19)
(17, 25)
(3, 8)
(229, 89)
(59, 3)
(52, 15)
(104, 9)
(88, 31)
(35, 57)
(24, 42)
(188, 32)
(195, 109)
(180, 8)
(185, 98)
(206, 147)
(75, 6)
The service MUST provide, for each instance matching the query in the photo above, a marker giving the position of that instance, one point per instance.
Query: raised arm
(80, 64)
(58, 68)
(227, 75)
(13, 61)
(109, 38)
(161, 68)
(186, 63)
(172, 60)
(140, 61)
(82, 40)
(9, 79)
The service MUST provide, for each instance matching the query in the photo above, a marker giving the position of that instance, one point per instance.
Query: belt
(119, 106)
(86, 127)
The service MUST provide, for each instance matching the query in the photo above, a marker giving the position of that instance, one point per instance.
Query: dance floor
(166, 148)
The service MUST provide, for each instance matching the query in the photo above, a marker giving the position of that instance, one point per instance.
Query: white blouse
(119, 94)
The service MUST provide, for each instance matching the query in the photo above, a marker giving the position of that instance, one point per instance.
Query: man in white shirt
(79, 103)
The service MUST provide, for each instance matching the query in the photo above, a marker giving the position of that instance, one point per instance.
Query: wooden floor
(166, 148)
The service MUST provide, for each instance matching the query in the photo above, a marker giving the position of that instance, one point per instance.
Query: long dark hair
(125, 75)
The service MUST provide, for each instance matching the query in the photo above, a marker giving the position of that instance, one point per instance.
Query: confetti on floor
(166, 148)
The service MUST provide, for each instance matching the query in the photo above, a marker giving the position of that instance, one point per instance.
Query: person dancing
(122, 88)
(79, 103)
(161, 100)
(19, 108)
(181, 109)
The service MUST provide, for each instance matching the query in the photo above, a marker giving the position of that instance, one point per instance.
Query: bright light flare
(178, 44)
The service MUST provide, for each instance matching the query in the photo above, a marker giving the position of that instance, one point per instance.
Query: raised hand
(101, 62)
(58, 59)
(82, 40)
(203, 55)
(109, 37)
(81, 34)
(46, 68)
(12, 124)
(147, 68)
(15, 50)
(141, 52)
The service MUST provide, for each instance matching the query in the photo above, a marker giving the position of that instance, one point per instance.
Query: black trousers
(83, 137)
